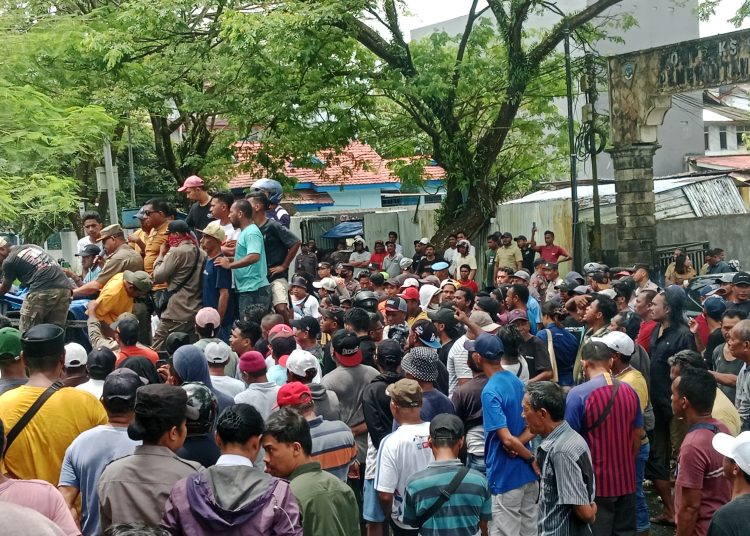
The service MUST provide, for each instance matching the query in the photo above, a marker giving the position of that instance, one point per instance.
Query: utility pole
(573, 155)
(110, 177)
(595, 250)
(131, 169)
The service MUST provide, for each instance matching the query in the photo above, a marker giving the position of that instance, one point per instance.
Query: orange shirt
(153, 244)
(142, 351)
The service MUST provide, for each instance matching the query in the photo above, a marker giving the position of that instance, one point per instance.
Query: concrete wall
(728, 232)
(353, 199)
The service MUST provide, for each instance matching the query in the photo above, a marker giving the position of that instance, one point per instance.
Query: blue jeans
(642, 522)
(476, 462)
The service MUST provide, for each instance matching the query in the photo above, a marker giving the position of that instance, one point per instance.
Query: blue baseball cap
(440, 266)
(714, 307)
(486, 345)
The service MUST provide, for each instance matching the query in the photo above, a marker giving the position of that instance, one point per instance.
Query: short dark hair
(522, 292)
(606, 306)
(282, 346)
(118, 406)
(468, 294)
(261, 197)
(134, 529)
(699, 387)
(159, 205)
(244, 207)
(495, 237)
(227, 198)
(685, 359)
(647, 295)
(393, 233)
(739, 314)
(208, 331)
(596, 351)
(238, 423)
(153, 427)
(43, 364)
(548, 396)
(548, 232)
(377, 279)
(249, 330)
(91, 216)
(512, 340)
(358, 319)
(288, 426)
(464, 266)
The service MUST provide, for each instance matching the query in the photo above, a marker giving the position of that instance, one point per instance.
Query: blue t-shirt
(433, 404)
(214, 279)
(84, 463)
(277, 374)
(534, 313)
(251, 277)
(501, 405)
(565, 345)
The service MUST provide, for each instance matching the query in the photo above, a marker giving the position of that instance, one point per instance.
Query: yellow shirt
(725, 412)
(636, 380)
(39, 450)
(153, 244)
(113, 300)
(421, 316)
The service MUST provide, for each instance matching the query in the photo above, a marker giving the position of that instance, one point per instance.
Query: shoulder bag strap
(445, 495)
(608, 407)
(35, 407)
(180, 286)
(552, 357)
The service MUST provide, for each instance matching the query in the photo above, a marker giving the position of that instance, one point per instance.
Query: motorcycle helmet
(204, 400)
(271, 188)
(367, 300)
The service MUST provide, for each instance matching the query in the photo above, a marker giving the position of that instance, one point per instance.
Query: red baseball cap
(280, 329)
(193, 181)
(410, 293)
(292, 394)
(252, 361)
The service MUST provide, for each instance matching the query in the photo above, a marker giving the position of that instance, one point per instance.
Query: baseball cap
(292, 394)
(424, 240)
(280, 329)
(521, 237)
(714, 307)
(178, 226)
(431, 280)
(193, 181)
(581, 290)
(214, 230)
(618, 342)
(487, 345)
(506, 234)
(217, 352)
(300, 361)
(741, 278)
(442, 265)
(446, 426)
(10, 344)
(736, 448)
(422, 363)
(405, 393)
(346, 348)
(517, 314)
(410, 282)
(550, 265)
(427, 333)
(139, 279)
(127, 326)
(324, 265)
(335, 312)
(405, 263)
(489, 306)
(159, 400)
(410, 293)
(712, 290)
(308, 324)
(252, 361)
(444, 315)
(207, 315)
(101, 360)
(111, 230)
(75, 355)
(522, 274)
(327, 283)
(484, 321)
(448, 282)
(395, 304)
(89, 250)
(122, 383)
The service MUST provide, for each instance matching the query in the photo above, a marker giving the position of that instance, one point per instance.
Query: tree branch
(372, 40)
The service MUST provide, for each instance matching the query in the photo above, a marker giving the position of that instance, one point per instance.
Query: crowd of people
(242, 382)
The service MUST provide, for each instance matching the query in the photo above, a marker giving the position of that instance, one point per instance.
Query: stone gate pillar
(635, 199)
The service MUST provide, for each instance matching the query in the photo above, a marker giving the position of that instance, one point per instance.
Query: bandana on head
(175, 239)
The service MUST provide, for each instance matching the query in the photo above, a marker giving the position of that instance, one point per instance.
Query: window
(705, 138)
(742, 141)
(722, 137)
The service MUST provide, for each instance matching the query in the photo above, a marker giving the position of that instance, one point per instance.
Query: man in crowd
(306, 262)
(217, 285)
(99, 364)
(724, 366)
(91, 451)
(731, 519)
(260, 393)
(700, 488)
(566, 499)
(551, 252)
(392, 260)
(118, 296)
(463, 300)
(360, 258)
(90, 267)
(218, 355)
(642, 279)
(281, 246)
(508, 254)
(613, 431)
(120, 257)
(598, 317)
(413, 311)
(126, 329)
(221, 203)
(49, 293)
(137, 486)
(39, 447)
(200, 211)
(179, 265)
(306, 333)
(248, 266)
(739, 346)
(92, 226)
(740, 293)
(327, 505)
(12, 366)
(715, 263)
(518, 298)
(512, 478)
(158, 214)
(421, 364)
(469, 507)
(554, 281)
(643, 310)
(527, 250)
(303, 367)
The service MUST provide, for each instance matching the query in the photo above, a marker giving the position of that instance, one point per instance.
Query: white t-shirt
(228, 385)
(401, 454)
(86, 241)
(93, 386)
(230, 233)
(520, 369)
(458, 368)
(306, 307)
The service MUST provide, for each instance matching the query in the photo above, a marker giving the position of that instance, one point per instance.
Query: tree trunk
(469, 222)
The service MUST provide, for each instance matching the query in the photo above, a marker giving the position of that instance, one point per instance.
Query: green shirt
(252, 277)
(327, 505)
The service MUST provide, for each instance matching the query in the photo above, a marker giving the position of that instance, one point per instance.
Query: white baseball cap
(410, 282)
(217, 352)
(736, 448)
(300, 361)
(75, 355)
(327, 283)
(618, 342)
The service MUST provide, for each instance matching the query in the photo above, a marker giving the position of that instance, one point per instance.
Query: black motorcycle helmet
(367, 300)
(202, 399)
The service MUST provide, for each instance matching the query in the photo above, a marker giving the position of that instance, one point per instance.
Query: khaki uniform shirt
(509, 257)
(173, 269)
(136, 487)
(124, 258)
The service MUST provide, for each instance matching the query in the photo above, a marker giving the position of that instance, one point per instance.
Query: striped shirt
(333, 446)
(461, 514)
(567, 481)
(610, 443)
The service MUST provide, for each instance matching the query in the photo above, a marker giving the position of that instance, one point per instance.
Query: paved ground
(654, 505)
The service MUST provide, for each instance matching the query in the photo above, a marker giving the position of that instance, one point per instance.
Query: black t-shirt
(277, 240)
(34, 268)
(426, 263)
(739, 306)
(368, 347)
(537, 356)
(467, 399)
(528, 254)
(715, 339)
(199, 216)
(732, 519)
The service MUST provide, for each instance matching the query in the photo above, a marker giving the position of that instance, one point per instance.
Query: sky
(424, 12)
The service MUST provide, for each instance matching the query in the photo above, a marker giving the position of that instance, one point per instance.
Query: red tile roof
(358, 163)
(308, 197)
(724, 162)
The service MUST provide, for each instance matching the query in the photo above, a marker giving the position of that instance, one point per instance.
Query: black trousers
(615, 516)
